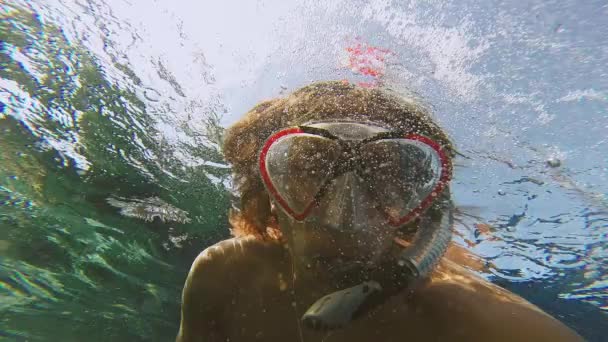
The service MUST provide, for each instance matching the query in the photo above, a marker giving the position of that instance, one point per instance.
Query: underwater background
(112, 114)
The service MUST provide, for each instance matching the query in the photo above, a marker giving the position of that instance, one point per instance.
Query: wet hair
(318, 101)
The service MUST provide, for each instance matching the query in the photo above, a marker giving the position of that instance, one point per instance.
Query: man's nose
(338, 205)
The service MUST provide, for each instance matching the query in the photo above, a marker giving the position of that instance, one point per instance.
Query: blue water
(112, 112)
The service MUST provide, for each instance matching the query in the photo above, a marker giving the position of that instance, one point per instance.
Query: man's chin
(349, 271)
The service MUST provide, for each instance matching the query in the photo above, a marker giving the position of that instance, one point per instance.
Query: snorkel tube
(430, 242)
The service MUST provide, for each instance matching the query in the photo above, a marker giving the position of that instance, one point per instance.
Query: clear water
(111, 179)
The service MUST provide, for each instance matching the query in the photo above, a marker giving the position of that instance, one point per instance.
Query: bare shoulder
(450, 273)
(234, 251)
(213, 277)
(486, 310)
(232, 259)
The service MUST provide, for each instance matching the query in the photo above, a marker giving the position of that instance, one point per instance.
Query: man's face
(344, 188)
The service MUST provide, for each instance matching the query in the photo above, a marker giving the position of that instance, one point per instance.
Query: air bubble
(554, 162)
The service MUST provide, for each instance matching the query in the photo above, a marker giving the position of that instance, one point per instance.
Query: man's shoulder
(239, 252)
(459, 284)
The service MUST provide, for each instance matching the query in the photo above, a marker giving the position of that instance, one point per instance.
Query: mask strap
(318, 131)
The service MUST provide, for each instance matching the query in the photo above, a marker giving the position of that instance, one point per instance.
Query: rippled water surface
(111, 115)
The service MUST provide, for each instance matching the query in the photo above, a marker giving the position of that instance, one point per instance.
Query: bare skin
(242, 289)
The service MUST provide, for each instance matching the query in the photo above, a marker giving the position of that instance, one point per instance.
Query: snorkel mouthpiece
(337, 309)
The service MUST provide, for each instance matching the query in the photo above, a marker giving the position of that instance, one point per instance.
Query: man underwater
(343, 233)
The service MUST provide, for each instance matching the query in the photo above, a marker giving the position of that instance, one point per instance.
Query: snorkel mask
(351, 176)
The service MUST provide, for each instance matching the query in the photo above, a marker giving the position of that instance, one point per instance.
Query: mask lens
(298, 165)
(401, 174)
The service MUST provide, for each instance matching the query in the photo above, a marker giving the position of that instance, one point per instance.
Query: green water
(76, 143)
